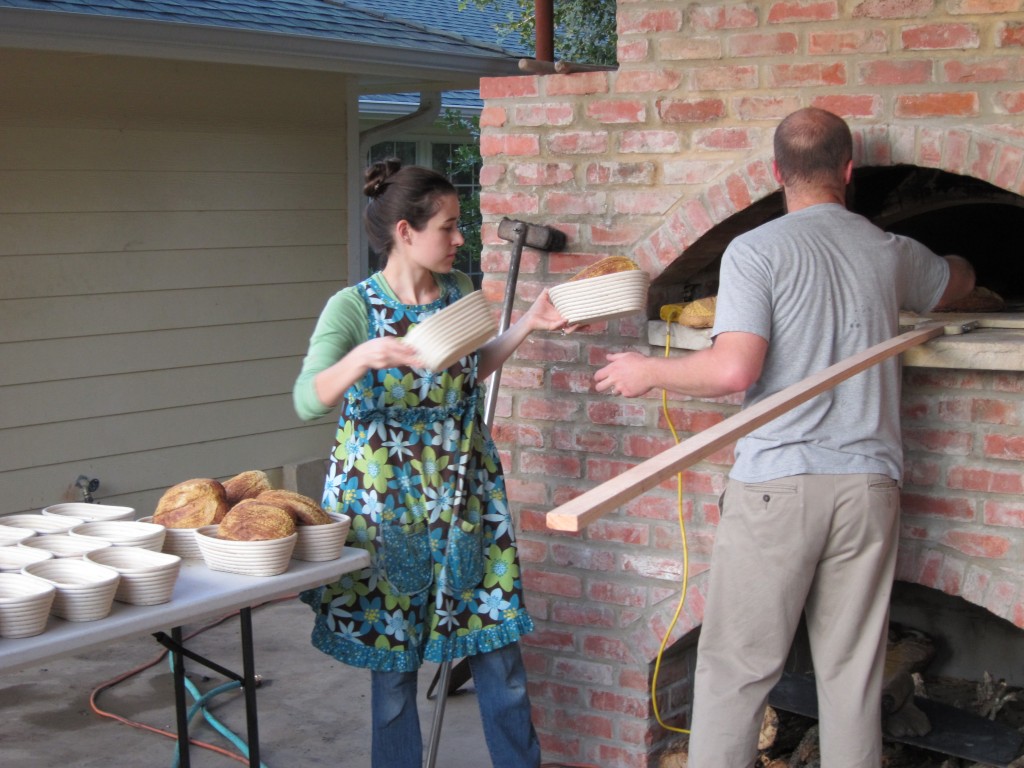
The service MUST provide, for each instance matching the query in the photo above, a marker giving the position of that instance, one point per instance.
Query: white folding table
(199, 593)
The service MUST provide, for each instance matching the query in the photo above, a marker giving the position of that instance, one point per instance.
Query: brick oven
(664, 160)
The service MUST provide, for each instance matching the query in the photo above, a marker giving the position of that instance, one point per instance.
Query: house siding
(168, 235)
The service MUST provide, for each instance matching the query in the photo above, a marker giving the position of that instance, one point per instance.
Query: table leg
(249, 684)
(180, 705)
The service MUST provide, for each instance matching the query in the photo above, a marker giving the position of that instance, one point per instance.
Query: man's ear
(775, 172)
(848, 172)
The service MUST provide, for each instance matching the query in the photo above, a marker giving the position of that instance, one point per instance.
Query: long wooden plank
(598, 501)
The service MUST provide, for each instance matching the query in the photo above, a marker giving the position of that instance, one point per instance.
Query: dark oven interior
(948, 212)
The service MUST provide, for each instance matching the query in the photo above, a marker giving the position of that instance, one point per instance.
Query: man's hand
(624, 375)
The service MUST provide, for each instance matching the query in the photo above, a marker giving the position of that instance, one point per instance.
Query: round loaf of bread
(606, 266)
(254, 520)
(303, 509)
(192, 504)
(246, 485)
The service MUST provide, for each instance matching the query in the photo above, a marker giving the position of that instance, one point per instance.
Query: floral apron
(415, 468)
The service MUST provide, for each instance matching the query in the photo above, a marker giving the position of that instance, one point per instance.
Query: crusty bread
(192, 504)
(606, 266)
(304, 510)
(246, 485)
(254, 520)
(695, 314)
(980, 299)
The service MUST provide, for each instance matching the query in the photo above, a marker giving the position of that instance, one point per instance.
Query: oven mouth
(950, 213)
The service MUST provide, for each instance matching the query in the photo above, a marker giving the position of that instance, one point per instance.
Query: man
(810, 517)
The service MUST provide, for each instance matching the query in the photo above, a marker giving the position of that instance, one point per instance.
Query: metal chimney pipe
(544, 22)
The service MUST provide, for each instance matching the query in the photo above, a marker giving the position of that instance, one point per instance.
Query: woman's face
(435, 246)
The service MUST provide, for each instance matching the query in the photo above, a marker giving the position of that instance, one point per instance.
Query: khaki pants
(820, 544)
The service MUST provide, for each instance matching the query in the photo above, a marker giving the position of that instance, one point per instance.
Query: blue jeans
(500, 681)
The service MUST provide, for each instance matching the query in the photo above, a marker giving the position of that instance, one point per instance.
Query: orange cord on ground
(94, 696)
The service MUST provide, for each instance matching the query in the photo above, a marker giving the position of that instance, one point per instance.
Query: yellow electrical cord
(674, 315)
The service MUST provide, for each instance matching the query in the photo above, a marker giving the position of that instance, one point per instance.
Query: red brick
(930, 37)
(620, 173)
(522, 377)
(680, 48)
(632, 51)
(889, 72)
(977, 544)
(601, 647)
(1004, 447)
(578, 143)
(552, 465)
(655, 202)
(850, 105)
(515, 144)
(992, 411)
(787, 11)
(939, 507)
(581, 614)
(572, 203)
(542, 174)
(589, 726)
(551, 640)
(492, 117)
(649, 141)
(663, 568)
(1003, 513)
(508, 87)
(600, 470)
(618, 532)
(572, 380)
(985, 480)
(508, 204)
(622, 414)
(548, 409)
(589, 441)
(690, 110)
(726, 138)
(617, 233)
(848, 41)
(651, 507)
(763, 44)
(521, 435)
(1011, 34)
(582, 556)
(576, 84)
(938, 441)
(617, 111)
(564, 584)
(491, 174)
(715, 17)
(725, 78)
(526, 491)
(978, 71)
(647, 80)
(630, 22)
(805, 75)
(548, 349)
(543, 114)
(606, 701)
(773, 107)
(644, 446)
(893, 9)
(976, 7)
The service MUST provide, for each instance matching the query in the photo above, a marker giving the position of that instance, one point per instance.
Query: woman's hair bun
(376, 176)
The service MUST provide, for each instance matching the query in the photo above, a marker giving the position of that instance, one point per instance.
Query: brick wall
(645, 160)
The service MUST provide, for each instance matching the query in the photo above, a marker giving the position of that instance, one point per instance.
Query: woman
(415, 467)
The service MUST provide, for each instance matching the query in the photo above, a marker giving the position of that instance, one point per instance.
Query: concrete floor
(312, 710)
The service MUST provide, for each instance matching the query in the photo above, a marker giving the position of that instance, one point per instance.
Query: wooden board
(598, 501)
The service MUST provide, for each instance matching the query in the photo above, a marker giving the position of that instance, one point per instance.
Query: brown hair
(412, 193)
(812, 146)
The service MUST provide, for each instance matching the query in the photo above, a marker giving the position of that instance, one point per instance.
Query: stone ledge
(983, 349)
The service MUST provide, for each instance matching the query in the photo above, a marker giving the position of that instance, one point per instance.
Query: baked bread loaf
(192, 504)
(254, 520)
(246, 485)
(978, 300)
(304, 510)
(606, 266)
(695, 314)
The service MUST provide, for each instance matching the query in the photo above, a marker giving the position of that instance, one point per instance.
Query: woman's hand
(375, 354)
(542, 315)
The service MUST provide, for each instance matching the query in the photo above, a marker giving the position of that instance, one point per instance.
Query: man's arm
(731, 365)
(961, 281)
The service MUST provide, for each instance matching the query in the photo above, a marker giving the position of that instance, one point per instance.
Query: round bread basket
(25, 603)
(63, 545)
(123, 533)
(42, 523)
(10, 535)
(268, 557)
(85, 591)
(87, 512)
(453, 332)
(13, 559)
(605, 297)
(322, 542)
(147, 577)
(178, 541)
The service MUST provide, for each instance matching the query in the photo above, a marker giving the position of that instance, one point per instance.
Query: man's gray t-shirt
(822, 284)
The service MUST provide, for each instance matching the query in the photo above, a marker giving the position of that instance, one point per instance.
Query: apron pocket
(407, 560)
(465, 561)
